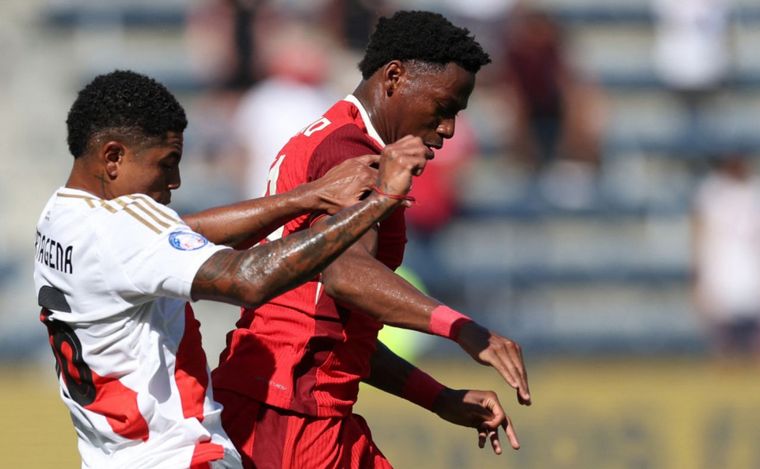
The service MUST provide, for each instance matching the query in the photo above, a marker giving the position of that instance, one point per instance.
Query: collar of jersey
(80, 192)
(365, 117)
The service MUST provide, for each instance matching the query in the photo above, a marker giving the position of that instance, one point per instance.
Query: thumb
(497, 414)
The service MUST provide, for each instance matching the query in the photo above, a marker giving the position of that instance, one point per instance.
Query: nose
(446, 128)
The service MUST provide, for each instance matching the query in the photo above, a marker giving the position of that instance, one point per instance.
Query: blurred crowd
(537, 130)
(271, 67)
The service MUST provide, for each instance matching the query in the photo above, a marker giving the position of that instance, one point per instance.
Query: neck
(371, 98)
(87, 178)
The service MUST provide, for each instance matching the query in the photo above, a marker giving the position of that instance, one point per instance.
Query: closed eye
(447, 111)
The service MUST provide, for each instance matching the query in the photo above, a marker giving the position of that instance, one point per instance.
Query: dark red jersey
(302, 351)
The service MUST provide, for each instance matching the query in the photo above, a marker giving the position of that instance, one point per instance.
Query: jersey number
(316, 126)
(68, 360)
(274, 172)
(274, 175)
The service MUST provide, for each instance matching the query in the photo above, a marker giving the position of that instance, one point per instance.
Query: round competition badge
(186, 240)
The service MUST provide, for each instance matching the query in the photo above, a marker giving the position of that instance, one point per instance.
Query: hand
(399, 162)
(488, 348)
(480, 410)
(345, 184)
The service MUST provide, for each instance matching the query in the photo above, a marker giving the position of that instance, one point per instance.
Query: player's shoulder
(341, 122)
(133, 214)
(144, 210)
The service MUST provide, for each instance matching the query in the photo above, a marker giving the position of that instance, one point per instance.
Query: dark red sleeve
(347, 142)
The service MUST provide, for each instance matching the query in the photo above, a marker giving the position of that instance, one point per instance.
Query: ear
(393, 74)
(112, 155)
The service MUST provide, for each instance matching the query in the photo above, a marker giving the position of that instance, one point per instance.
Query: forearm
(470, 408)
(251, 219)
(394, 375)
(388, 298)
(252, 277)
(391, 300)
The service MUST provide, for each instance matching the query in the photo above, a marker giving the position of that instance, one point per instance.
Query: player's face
(154, 170)
(428, 101)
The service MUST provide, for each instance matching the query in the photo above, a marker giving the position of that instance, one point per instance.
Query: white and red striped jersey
(113, 278)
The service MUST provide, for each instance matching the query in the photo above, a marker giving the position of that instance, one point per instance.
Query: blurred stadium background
(589, 269)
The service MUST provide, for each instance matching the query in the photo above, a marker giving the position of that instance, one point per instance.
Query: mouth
(432, 149)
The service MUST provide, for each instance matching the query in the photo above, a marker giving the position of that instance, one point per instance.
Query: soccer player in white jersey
(115, 270)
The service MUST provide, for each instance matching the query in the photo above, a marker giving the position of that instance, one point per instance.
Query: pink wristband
(421, 389)
(446, 322)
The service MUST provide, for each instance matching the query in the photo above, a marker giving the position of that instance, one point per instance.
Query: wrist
(446, 322)
(421, 389)
(383, 199)
(305, 198)
(447, 399)
(387, 193)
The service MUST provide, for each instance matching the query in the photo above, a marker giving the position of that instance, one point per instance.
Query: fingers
(482, 433)
(400, 161)
(492, 436)
(501, 419)
(509, 429)
(516, 359)
(495, 443)
(413, 149)
(506, 357)
(511, 375)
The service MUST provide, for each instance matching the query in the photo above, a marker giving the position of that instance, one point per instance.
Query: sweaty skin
(403, 98)
(252, 220)
(252, 276)
(249, 278)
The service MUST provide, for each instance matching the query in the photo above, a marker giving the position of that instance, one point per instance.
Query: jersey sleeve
(153, 252)
(345, 143)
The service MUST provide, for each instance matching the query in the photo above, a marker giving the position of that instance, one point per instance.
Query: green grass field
(668, 414)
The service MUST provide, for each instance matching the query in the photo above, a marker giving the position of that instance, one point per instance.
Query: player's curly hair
(423, 36)
(124, 104)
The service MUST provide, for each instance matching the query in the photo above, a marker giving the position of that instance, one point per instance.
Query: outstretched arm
(392, 300)
(254, 219)
(470, 408)
(251, 277)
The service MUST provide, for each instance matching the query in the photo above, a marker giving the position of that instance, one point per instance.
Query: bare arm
(470, 408)
(251, 277)
(392, 300)
(254, 219)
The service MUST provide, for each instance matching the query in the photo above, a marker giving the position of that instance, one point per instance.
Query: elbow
(251, 297)
(336, 283)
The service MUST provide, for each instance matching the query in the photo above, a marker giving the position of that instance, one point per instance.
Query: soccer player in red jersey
(290, 374)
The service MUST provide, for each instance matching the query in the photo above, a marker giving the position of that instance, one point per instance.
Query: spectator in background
(726, 256)
(557, 113)
(351, 21)
(276, 108)
(222, 43)
(691, 53)
(437, 200)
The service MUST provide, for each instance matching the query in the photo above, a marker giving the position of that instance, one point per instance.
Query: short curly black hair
(423, 36)
(126, 104)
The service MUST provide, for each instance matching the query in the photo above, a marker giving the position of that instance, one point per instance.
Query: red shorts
(272, 438)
